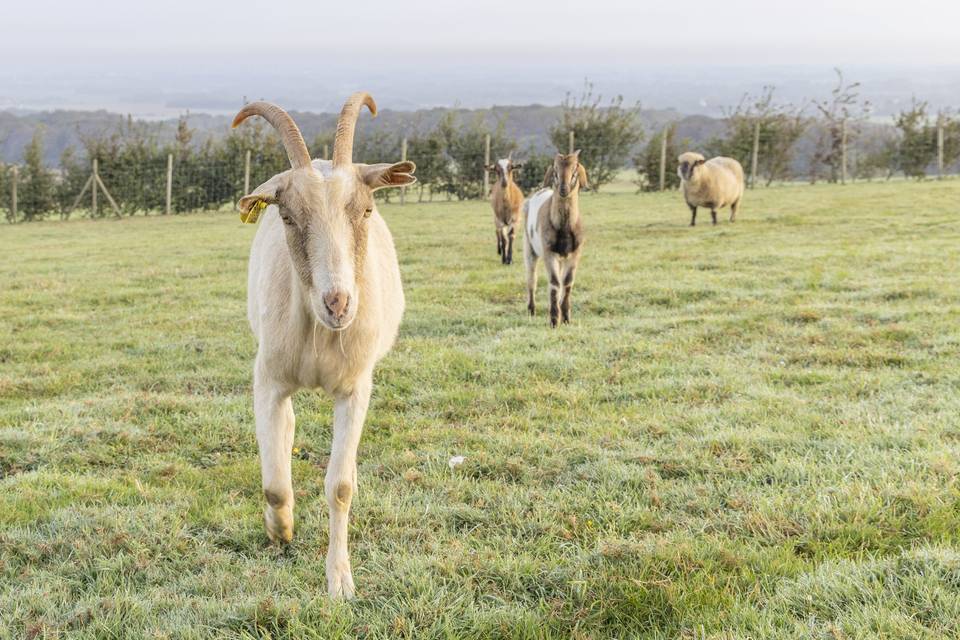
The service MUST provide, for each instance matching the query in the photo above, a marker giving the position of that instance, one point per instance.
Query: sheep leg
(713, 215)
(530, 259)
(273, 411)
(734, 208)
(567, 289)
(510, 235)
(553, 270)
(693, 215)
(349, 412)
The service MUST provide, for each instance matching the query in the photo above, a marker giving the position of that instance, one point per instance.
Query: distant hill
(528, 125)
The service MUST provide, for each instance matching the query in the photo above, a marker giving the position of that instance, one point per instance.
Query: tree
(781, 125)
(918, 140)
(73, 175)
(841, 116)
(647, 162)
(950, 122)
(37, 187)
(464, 145)
(606, 136)
(530, 176)
(426, 151)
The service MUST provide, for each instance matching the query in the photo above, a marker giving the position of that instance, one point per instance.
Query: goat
(506, 198)
(713, 183)
(324, 303)
(553, 232)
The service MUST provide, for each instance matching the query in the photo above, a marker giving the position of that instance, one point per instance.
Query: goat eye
(368, 212)
(287, 220)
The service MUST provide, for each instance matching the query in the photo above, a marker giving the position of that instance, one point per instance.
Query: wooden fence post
(169, 207)
(13, 194)
(326, 152)
(93, 186)
(572, 142)
(403, 158)
(940, 148)
(663, 159)
(754, 160)
(843, 151)
(246, 174)
(486, 163)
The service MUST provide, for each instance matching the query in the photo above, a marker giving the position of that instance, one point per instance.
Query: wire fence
(139, 182)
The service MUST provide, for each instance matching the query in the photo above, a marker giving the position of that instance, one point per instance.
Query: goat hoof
(340, 581)
(279, 524)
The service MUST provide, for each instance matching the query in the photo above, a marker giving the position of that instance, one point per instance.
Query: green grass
(749, 431)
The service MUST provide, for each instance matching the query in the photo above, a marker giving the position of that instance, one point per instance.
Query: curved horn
(343, 142)
(285, 126)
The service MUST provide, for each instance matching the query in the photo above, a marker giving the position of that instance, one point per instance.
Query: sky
(691, 31)
(206, 55)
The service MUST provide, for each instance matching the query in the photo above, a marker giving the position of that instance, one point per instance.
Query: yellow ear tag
(251, 216)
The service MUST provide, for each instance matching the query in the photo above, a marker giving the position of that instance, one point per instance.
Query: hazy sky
(921, 32)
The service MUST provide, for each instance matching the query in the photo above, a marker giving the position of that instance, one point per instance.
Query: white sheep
(324, 302)
(714, 183)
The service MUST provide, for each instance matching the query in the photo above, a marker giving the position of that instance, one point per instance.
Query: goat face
(503, 169)
(325, 215)
(689, 161)
(567, 175)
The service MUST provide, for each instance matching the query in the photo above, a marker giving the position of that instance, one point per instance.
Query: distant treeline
(832, 139)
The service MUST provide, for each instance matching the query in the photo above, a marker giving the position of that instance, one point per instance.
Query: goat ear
(582, 177)
(382, 176)
(490, 167)
(517, 165)
(547, 178)
(253, 204)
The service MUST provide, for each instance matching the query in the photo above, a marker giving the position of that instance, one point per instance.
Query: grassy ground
(749, 431)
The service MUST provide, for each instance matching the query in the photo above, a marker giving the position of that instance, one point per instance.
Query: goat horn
(343, 142)
(285, 126)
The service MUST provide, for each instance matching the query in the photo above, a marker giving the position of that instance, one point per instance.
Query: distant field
(749, 431)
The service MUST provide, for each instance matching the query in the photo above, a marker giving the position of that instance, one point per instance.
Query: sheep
(714, 183)
(553, 232)
(506, 198)
(324, 303)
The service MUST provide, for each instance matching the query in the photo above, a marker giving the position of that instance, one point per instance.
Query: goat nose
(337, 303)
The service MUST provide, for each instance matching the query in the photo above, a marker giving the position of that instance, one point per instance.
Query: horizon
(156, 62)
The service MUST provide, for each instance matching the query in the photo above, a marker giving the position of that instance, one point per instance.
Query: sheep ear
(382, 176)
(547, 178)
(253, 204)
(582, 177)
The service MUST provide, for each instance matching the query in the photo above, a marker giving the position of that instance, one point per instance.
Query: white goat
(324, 302)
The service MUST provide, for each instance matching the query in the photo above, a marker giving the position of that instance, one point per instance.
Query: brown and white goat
(553, 232)
(324, 302)
(507, 199)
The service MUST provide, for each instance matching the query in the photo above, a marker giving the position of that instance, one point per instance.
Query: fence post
(754, 160)
(663, 158)
(571, 143)
(246, 174)
(843, 151)
(486, 163)
(940, 148)
(170, 183)
(326, 152)
(403, 158)
(93, 186)
(13, 194)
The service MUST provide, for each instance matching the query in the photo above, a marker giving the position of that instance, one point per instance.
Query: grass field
(749, 431)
